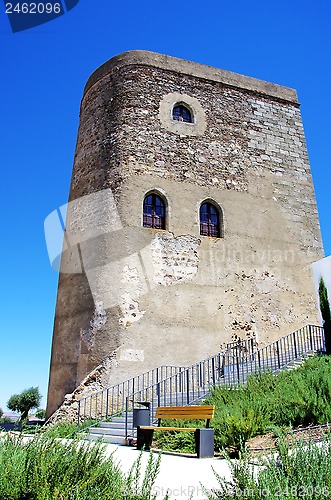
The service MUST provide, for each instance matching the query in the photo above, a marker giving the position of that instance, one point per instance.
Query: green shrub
(61, 430)
(5, 420)
(40, 413)
(183, 442)
(49, 469)
(177, 441)
(290, 398)
(30, 428)
(303, 472)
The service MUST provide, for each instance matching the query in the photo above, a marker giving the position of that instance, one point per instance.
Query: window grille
(209, 221)
(154, 212)
(181, 114)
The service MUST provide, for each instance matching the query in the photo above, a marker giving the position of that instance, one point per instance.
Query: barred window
(210, 220)
(154, 212)
(182, 114)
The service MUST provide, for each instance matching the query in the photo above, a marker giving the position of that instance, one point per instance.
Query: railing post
(323, 339)
(158, 392)
(213, 371)
(84, 407)
(295, 345)
(278, 358)
(311, 338)
(102, 398)
(187, 386)
(126, 416)
(78, 416)
(237, 360)
(107, 403)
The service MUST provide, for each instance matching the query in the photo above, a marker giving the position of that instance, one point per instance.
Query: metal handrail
(229, 368)
(108, 402)
(171, 385)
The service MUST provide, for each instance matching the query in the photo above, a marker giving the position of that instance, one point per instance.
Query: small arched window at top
(154, 212)
(210, 220)
(182, 114)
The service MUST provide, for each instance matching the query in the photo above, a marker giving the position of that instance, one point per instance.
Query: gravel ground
(266, 443)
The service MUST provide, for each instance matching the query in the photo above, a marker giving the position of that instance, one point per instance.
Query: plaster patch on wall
(132, 355)
(132, 284)
(130, 310)
(175, 259)
(131, 278)
(98, 320)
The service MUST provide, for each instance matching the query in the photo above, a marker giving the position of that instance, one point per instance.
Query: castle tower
(192, 217)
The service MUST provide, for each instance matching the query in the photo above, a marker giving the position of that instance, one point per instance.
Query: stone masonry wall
(144, 297)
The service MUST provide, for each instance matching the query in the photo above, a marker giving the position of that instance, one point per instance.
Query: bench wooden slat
(196, 412)
(180, 429)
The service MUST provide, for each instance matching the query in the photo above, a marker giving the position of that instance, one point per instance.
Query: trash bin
(141, 416)
(204, 442)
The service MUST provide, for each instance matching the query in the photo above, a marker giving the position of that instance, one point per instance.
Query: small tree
(326, 314)
(24, 402)
(40, 414)
(1, 412)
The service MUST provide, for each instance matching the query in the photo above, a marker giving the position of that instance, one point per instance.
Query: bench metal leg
(204, 443)
(144, 438)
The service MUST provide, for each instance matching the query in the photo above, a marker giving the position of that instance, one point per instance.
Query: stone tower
(191, 217)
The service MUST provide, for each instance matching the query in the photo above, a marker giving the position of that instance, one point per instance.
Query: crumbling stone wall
(148, 297)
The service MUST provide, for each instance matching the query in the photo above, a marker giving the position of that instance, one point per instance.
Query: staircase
(296, 363)
(180, 386)
(110, 432)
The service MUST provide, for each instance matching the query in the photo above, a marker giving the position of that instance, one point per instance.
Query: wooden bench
(204, 438)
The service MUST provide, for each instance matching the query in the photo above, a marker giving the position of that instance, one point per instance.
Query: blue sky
(43, 73)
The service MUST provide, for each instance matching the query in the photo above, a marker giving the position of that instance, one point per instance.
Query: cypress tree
(326, 314)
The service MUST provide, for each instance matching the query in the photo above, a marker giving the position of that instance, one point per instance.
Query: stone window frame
(220, 213)
(162, 195)
(167, 104)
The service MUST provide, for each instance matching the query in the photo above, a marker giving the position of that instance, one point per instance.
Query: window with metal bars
(209, 220)
(154, 212)
(182, 114)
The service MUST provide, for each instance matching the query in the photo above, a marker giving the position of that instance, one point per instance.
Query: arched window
(182, 114)
(210, 220)
(154, 212)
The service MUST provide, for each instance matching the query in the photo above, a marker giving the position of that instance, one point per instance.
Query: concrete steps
(296, 363)
(110, 432)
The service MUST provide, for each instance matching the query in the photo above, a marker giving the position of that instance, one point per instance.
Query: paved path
(181, 476)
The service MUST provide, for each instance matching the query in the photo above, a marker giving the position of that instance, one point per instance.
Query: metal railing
(180, 386)
(112, 401)
(230, 368)
(275, 356)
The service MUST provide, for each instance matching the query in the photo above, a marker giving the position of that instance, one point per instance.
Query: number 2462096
(33, 8)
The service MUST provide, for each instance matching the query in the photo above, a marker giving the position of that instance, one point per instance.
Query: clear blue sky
(43, 73)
